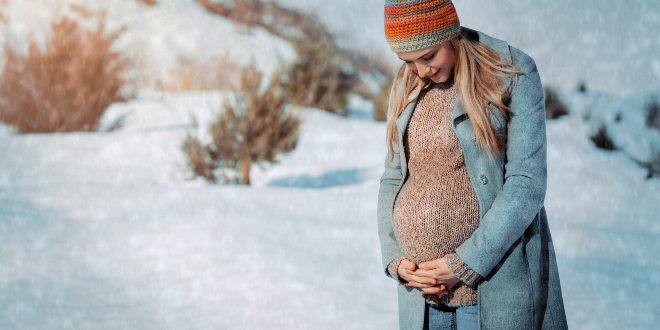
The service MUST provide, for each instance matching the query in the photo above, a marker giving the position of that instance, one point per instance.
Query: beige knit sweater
(437, 208)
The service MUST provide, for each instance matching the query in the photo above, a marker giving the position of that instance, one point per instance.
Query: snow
(158, 38)
(613, 45)
(104, 230)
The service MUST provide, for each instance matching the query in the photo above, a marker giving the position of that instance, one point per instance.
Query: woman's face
(435, 62)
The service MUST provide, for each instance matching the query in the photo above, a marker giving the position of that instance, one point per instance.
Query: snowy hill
(159, 39)
(104, 230)
(612, 45)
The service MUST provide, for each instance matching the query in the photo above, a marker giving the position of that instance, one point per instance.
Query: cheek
(412, 67)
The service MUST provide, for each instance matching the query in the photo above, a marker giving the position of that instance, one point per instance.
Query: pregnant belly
(430, 223)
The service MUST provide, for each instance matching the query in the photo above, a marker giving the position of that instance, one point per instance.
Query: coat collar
(501, 46)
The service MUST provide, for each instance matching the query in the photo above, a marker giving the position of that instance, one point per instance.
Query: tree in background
(255, 128)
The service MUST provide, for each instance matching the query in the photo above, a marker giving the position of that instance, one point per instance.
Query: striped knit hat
(416, 24)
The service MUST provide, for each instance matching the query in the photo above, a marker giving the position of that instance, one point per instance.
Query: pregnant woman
(461, 215)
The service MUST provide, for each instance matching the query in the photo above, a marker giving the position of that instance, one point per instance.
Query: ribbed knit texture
(437, 208)
(416, 24)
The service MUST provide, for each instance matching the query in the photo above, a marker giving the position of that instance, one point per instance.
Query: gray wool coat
(512, 247)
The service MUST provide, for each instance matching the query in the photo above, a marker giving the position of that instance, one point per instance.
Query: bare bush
(66, 86)
(380, 101)
(603, 140)
(652, 166)
(316, 79)
(148, 2)
(336, 68)
(554, 106)
(653, 114)
(253, 129)
(211, 74)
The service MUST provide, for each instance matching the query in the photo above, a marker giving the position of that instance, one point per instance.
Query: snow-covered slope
(613, 45)
(159, 39)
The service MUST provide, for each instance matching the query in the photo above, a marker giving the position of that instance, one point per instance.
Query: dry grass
(286, 23)
(3, 16)
(554, 106)
(602, 139)
(148, 2)
(216, 73)
(653, 113)
(380, 100)
(325, 74)
(254, 129)
(67, 85)
(316, 79)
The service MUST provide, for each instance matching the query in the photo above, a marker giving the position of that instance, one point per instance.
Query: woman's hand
(438, 270)
(408, 271)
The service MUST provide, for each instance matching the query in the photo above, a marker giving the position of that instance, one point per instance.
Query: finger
(418, 285)
(407, 264)
(429, 264)
(432, 290)
(427, 273)
(422, 279)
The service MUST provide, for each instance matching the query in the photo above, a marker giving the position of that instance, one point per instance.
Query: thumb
(409, 265)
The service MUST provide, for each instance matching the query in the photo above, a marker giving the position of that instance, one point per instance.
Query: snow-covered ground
(104, 230)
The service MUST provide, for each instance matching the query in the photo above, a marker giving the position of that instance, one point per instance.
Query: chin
(439, 79)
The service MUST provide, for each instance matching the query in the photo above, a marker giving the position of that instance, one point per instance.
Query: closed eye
(430, 57)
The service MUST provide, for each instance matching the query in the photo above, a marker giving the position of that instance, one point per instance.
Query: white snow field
(104, 230)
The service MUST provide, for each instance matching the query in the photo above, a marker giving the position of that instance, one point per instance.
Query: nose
(422, 70)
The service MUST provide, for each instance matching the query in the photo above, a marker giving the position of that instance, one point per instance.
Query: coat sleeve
(525, 177)
(389, 183)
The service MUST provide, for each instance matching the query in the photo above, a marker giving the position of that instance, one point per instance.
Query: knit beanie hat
(416, 24)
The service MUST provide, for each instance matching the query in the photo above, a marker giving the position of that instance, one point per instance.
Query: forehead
(417, 54)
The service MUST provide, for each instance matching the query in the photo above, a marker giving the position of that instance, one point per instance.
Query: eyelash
(429, 58)
(424, 59)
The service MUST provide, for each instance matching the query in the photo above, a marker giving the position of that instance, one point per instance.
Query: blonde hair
(478, 74)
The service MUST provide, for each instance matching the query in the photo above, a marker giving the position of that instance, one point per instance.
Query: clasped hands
(431, 277)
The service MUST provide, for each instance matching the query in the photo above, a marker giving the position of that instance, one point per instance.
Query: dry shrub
(603, 140)
(66, 86)
(148, 2)
(653, 114)
(3, 16)
(286, 23)
(316, 79)
(652, 166)
(554, 106)
(211, 74)
(380, 100)
(315, 46)
(253, 129)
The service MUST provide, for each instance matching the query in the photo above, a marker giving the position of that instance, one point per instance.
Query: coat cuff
(392, 269)
(462, 270)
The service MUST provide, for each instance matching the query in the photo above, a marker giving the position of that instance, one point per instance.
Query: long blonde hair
(478, 74)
